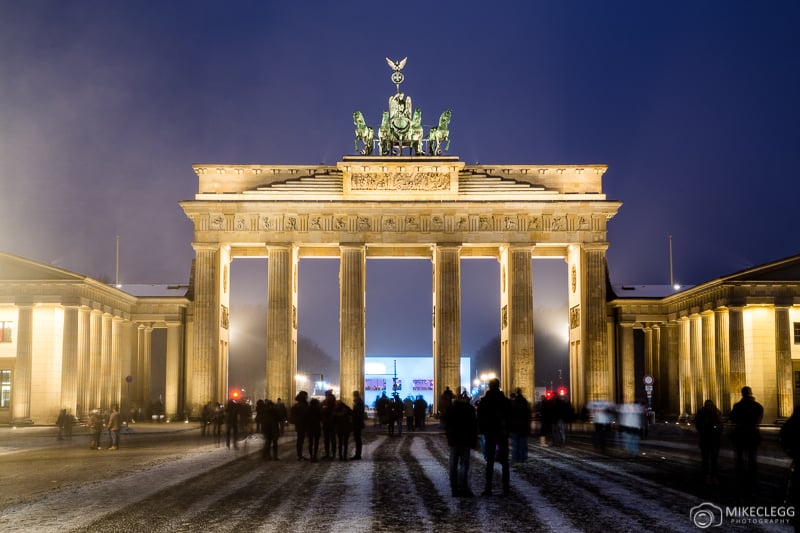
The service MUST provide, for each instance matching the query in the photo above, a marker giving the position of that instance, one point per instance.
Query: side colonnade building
(708, 341)
(71, 342)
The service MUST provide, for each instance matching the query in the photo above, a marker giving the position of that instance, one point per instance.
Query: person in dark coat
(746, 415)
(461, 428)
(231, 423)
(420, 412)
(790, 441)
(445, 401)
(709, 434)
(298, 417)
(271, 430)
(343, 425)
(282, 414)
(397, 413)
(313, 428)
(494, 410)
(520, 427)
(359, 418)
(328, 429)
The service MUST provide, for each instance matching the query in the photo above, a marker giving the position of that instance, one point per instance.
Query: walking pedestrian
(232, 423)
(493, 418)
(746, 415)
(520, 427)
(282, 414)
(709, 434)
(461, 428)
(328, 429)
(96, 428)
(114, 425)
(271, 430)
(313, 428)
(343, 424)
(408, 411)
(420, 411)
(297, 416)
(445, 401)
(359, 418)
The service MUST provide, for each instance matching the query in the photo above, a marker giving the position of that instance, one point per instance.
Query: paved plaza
(167, 478)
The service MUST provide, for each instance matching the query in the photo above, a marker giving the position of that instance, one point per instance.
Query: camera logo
(706, 515)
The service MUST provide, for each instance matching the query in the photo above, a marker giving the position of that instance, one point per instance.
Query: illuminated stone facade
(70, 342)
(708, 341)
(431, 207)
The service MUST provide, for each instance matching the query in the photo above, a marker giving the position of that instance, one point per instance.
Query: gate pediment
(380, 178)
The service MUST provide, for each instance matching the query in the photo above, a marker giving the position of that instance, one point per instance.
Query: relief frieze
(400, 181)
(403, 223)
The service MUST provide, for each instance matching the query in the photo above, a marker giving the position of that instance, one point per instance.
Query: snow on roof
(155, 291)
(646, 291)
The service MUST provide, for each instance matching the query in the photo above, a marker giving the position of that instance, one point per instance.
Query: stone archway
(432, 207)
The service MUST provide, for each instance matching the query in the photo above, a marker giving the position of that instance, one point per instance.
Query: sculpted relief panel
(400, 181)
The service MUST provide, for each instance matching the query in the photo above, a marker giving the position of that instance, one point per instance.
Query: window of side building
(5, 331)
(5, 388)
(797, 332)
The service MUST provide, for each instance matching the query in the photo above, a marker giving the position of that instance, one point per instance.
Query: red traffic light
(235, 394)
(562, 391)
(548, 394)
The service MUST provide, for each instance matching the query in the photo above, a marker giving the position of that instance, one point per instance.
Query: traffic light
(562, 391)
(235, 394)
(548, 394)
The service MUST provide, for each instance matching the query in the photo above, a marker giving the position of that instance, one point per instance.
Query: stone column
(84, 348)
(127, 367)
(738, 371)
(116, 363)
(95, 358)
(139, 376)
(593, 323)
(207, 287)
(21, 387)
(172, 382)
(783, 362)
(352, 319)
(672, 366)
(446, 319)
(709, 359)
(657, 371)
(685, 366)
(723, 358)
(626, 363)
(147, 357)
(696, 353)
(69, 360)
(105, 362)
(649, 352)
(281, 323)
(517, 320)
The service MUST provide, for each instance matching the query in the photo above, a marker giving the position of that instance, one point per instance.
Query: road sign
(648, 380)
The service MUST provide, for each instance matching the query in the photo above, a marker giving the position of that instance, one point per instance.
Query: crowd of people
(393, 411)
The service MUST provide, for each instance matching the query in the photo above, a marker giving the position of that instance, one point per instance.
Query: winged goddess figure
(397, 66)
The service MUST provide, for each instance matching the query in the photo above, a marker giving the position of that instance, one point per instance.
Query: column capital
(205, 247)
(352, 245)
(594, 246)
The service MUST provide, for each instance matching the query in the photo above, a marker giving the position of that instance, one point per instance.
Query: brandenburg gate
(393, 205)
(374, 206)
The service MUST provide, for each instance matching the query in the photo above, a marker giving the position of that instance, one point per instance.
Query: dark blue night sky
(104, 107)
